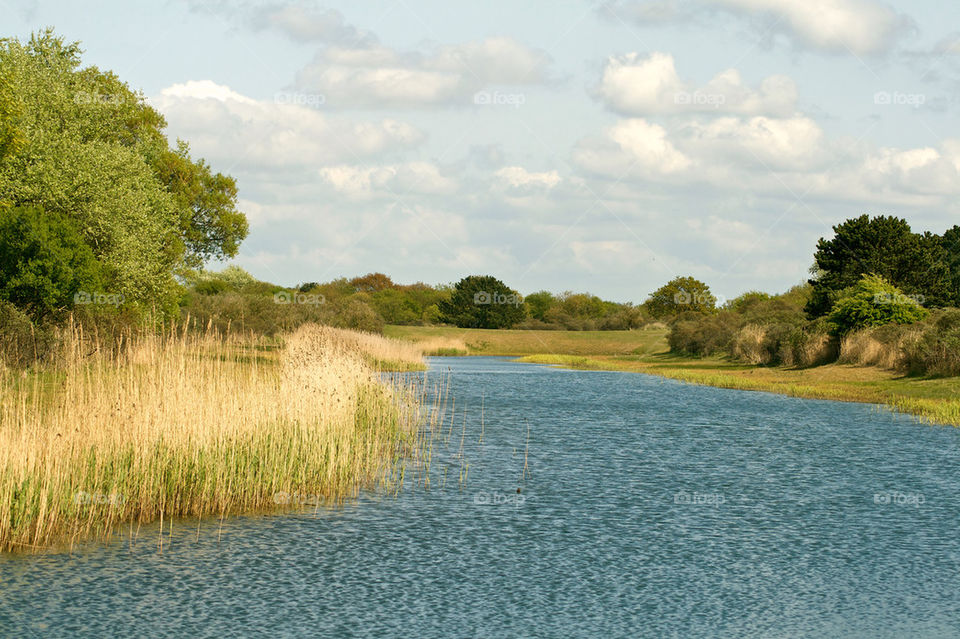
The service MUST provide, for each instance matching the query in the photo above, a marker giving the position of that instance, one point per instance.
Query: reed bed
(176, 424)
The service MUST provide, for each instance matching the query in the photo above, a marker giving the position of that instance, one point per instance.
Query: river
(647, 508)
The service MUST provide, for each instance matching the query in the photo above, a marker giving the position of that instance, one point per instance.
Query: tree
(372, 283)
(679, 295)
(873, 301)
(950, 241)
(482, 301)
(44, 262)
(86, 146)
(539, 303)
(883, 246)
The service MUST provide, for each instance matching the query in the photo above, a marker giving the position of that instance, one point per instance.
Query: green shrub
(873, 302)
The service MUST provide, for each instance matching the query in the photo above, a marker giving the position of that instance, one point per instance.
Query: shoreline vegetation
(181, 424)
(930, 399)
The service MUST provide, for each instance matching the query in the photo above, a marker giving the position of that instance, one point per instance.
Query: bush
(873, 302)
(44, 262)
(703, 335)
(936, 351)
(22, 343)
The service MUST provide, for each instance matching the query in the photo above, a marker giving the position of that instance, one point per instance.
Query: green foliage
(873, 301)
(680, 295)
(950, 242)
(539, 304)
(44, 262)
(702, 335)
(482, 301)
(89, 148)
(886, 247)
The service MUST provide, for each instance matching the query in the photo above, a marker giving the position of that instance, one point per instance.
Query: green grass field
(645, 351)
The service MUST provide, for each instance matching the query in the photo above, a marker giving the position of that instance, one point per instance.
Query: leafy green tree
(483, 301)
(395, 307)
(582, 305)
(884, 246)
(679, 295)
(372, 282)
(88, 147)
(950, 241)
(539, 304)
(873, 301)
(44, 262)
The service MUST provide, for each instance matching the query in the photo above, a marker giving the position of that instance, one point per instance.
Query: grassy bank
(645, 351)
(196, 425)
(445, 340)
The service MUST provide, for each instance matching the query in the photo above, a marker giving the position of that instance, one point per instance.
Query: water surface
(648, 508)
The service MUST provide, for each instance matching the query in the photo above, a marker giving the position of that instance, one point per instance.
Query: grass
(476, 341)
(184, 425)
(645, 351)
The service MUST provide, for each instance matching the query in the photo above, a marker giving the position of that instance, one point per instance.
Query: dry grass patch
(194, 425)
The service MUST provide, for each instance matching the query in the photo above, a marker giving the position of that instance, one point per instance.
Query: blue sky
(602, 147)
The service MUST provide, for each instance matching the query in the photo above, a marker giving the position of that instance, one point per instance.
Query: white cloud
(395, 180)
(307, 22)
(839, 26)
(795, 143)
(786, 158)
(381, 77)
(225, 125)
(635, 85)
(632, 146)
(518, 177)
(860, 27)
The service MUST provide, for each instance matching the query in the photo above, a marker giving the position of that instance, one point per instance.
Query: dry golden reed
(178, 424)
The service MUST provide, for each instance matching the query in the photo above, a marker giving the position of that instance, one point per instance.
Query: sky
(587, 146)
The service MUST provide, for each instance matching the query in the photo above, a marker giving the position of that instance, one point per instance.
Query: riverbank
(197, 425)
(935, 400)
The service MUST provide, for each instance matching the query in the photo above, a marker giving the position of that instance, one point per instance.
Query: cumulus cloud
(839, 26)
(307, 22)
(777, 157)
(378, 76)
(634, 147)
(795, 143)
(834, 26)
(230, 127)
(645, 85)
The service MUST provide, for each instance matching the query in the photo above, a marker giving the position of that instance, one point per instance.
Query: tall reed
(183, 424)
